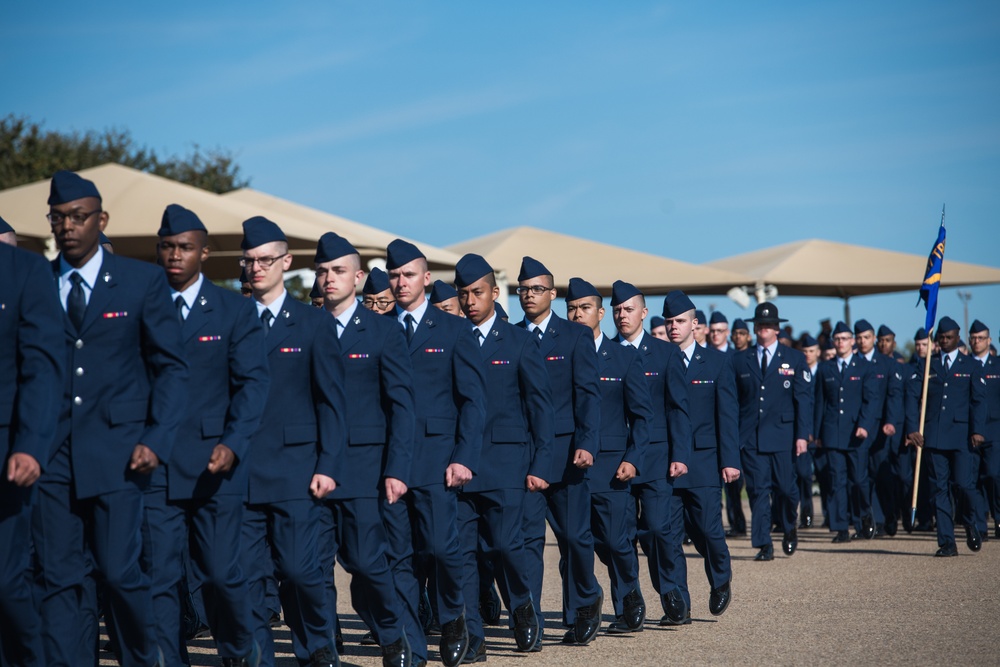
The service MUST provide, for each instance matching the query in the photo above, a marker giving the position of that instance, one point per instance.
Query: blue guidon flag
(932, 277)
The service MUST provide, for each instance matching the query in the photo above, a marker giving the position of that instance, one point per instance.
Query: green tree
(29, 153)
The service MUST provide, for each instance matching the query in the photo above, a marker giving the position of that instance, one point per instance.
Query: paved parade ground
(885, 601)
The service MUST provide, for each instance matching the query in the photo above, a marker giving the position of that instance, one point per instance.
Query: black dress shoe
(490, 607)
(766, 553)
(368, 639)
(634, 610)
(732, 532)
(675, 610)
(891, 528)
(324, 657)
(252, 659)
(570, 637)
(274, 620)
(425, 613)
(338, 641)
(867, 528)
(476, 652)
(588, 622)
(397, 654)
(618, 626)
(842, 537)
(684, 621)
(526, 627)
(973, 538)
(454, 642)
(879, 531)
(718, 599)
(790, 542)
(687, 541)
(806, 522)
(945, 552)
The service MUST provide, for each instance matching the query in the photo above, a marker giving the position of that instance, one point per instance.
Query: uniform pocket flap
(511, 434)
(212, 427)
(658, 434)
(124, 412)
(366, 435)
(565, 426)
(440, 426)
(787, 416)
(704, 441)
(300, 434)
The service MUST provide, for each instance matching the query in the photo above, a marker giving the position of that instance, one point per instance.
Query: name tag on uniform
(611, 379)
(114, 315)
(433, 350)
(289, 350)
(208, 339)
(499, 362)
(357, 356)
(744, 375)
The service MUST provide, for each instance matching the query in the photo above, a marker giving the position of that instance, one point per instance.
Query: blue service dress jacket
(956, 403)
(519, 432)
(775, 410)
(227, 387)
(31, 356)
(626, 414)
(449, 396)
(711, 390)
(378, 388)
(991, 388)
(846, 402)
(302, 431)
(126, 376)
(568, 350)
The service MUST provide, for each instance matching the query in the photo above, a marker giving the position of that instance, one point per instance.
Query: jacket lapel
(423, 331)
(101, 293)
(353, 332)
(199, 314)
(281, 327)
(493, 342)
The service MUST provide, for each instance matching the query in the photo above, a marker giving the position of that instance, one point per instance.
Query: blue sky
(694, 130)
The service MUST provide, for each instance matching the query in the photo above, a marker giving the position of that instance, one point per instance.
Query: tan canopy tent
(135, 202)
(824, 268)
(598, 263)
(369, 241)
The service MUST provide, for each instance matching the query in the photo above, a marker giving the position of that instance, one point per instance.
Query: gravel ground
(885, 601)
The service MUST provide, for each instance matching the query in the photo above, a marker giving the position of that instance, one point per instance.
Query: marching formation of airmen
(175, 450)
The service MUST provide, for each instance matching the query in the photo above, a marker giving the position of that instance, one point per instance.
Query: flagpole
(923, 415)
(931, 314)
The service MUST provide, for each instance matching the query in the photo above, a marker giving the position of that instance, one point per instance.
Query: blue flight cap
(783, 335)
(258, 230)
(332, 246)
(883, 330)
(377, 282)
(69, 186)
(700, 316)
(717, 318)
(826, 345)
(740, 325)
(5, 226)
(315, 292)
(579, 289)
(401, 252)
(947, 324)
(808, 341)
(531, 268)
(442, 291)
(501, 313)
(622, 291)
(656, 321)
(862, 326)
(842, 328)
(470, 268)
(921, 334)
(104, 240)
(676, 303)
(177, 220)
(978, 327)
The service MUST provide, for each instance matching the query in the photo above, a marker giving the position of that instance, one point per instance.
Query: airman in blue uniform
(812, 460)
(740, 335)
(669, 453)
(123, 402)
(954, 426)
(568, 350)
(696, 505)
(848, 403)
(516, 454)
(989, 451)
(296, 454)
(776, 410)
(32, 374)
(197, 495)
(626, 415)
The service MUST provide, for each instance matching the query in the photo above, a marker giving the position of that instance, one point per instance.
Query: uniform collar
(190, 294)
(275, 306)
(544, 326)
(345, 317)
(88, 271)
(598, 341)
(417, 313)
(486, 325)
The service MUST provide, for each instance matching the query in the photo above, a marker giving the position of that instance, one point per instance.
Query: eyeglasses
(264, 262)
(56, 218)
(379, 303)
(534, 289)
(842, 339)
(976, 338)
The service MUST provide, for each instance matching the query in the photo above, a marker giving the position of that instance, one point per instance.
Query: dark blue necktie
(265, 319)
(76, 304)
